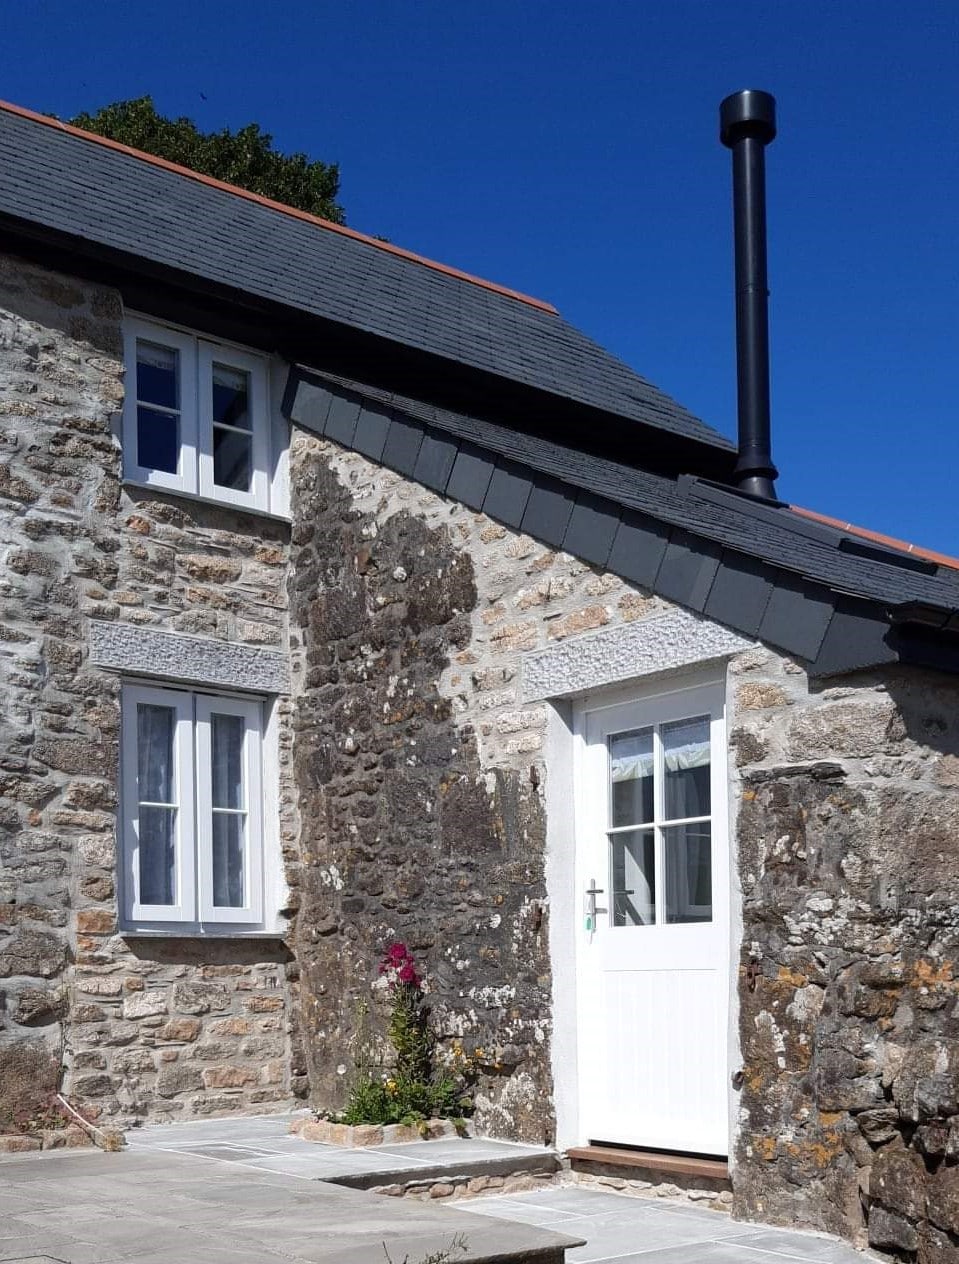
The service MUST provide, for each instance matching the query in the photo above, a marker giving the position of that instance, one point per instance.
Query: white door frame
(564, 733)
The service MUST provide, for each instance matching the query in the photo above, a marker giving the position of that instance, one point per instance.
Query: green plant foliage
(412, 1089)
(245, 157)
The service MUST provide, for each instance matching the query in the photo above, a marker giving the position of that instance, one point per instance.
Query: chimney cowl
(747, 113)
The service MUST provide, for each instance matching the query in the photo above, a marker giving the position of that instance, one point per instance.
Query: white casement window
(193, 816)
(197, 416)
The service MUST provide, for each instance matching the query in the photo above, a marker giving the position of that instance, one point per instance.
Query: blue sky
(569, 148)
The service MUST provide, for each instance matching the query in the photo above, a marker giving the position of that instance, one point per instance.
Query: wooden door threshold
(666, 1166)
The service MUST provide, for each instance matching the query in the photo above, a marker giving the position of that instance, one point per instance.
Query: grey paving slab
(630, 1230)
(153, 1206)
(806, 1246)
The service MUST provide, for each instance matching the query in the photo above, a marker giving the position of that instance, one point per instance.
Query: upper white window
(193, 811)
(197, 417)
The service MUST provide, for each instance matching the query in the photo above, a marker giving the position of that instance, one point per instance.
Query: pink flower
(399, 966)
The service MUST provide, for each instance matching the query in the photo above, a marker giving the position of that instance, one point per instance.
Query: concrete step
(469, 1166)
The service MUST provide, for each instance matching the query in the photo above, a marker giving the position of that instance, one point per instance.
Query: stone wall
(421, 772)
(144, 1027)
(849, 858)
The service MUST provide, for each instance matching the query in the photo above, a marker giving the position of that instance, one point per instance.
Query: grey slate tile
(402, 444)
(341, 419)
(857, 636)
(591, 528)
(688, 569)
(508, 493)
(435, 461)
(548, 511)
(372, 427)
(638, 549)
(797, 616)
(740, 592)
(311, 406)
(470, 476)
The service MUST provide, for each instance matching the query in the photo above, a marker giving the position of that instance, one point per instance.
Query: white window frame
(185, 478)
(183, 794)
(194, 475)
(194, 911)
(251, 910)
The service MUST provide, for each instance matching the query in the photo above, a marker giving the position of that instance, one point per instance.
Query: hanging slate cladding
(838, 602)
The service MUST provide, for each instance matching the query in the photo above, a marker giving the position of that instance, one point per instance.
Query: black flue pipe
(747, 123)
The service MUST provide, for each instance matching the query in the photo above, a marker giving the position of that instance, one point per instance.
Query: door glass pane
(158, 440)
(227, 742)
(156, 853)
(686, 768)
(632, 869)
(631, 775)
(231, 397)
(232, 458)
(155, 730)
(157, 375)
(228, 831)
(687, 856)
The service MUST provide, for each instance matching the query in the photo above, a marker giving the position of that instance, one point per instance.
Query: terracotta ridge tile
(292, 211)
(942, 559)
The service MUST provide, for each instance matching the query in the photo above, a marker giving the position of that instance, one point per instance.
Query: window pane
(227, 742)
(155, 729)
(157, 375)
(158, 440)
(687, 855)
(632, 869)
(232, 459)
(228, 831)
(686, 768)
(631, 773)
(231, 396)
(157, 832)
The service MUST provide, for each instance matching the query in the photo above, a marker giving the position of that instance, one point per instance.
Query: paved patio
(628, 1230)
(244, 1191)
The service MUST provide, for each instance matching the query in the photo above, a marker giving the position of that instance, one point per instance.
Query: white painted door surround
(652, 899)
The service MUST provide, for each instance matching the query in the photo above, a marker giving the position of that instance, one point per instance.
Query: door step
(511, 1169)
(652, 1166)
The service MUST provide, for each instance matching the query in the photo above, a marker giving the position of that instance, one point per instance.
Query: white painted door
(653, 962)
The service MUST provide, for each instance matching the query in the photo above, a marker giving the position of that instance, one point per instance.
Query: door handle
(591, 910)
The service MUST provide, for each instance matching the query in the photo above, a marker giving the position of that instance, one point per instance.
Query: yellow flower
(391, 1086)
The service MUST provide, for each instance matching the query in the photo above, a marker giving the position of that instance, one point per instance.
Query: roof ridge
(903, 546)
(294, 212)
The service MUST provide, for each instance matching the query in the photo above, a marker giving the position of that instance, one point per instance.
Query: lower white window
(193, 814)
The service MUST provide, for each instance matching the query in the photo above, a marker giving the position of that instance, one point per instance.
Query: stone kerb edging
(71, 1137)
(145, 651)
(354, 1136)
(626, 652)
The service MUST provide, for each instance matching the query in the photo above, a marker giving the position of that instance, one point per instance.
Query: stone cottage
(348, 598)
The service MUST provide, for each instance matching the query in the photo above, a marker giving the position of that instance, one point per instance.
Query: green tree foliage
(245, 157)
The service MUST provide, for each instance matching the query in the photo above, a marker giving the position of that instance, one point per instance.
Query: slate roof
(73, 183)
(830, 596)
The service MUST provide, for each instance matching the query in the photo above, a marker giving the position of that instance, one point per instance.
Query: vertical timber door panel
(652, 940)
